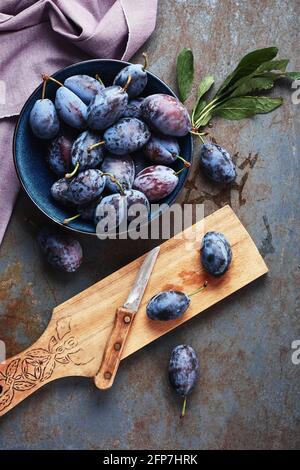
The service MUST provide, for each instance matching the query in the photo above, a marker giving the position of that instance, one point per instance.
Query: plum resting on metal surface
(156, 182)
(217, 163)
(126, 136)
(168, 305)
(166, 114)
(60, 250)
(215, 253)
(43, 119)
(183, 371)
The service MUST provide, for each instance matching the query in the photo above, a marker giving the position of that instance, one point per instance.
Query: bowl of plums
(100, 135)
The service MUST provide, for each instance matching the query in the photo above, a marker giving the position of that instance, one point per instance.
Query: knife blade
(123, 320)
(136, 294)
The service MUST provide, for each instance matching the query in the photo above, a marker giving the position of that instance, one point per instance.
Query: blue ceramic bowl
(29, 152)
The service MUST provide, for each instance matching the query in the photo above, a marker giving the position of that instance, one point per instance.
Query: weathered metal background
(249, 392)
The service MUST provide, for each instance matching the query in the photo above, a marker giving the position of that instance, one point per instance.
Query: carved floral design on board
(38, 364)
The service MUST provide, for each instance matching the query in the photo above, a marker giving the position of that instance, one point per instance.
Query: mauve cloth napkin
(46, 35)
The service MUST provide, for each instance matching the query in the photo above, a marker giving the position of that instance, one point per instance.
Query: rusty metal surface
(249, 393)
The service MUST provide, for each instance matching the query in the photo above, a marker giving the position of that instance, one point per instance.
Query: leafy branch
(235, 99)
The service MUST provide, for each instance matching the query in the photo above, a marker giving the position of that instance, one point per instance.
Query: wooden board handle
(114, 348)
(59, 352)
(24, 374)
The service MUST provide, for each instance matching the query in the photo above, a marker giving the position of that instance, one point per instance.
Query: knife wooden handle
(114, 348)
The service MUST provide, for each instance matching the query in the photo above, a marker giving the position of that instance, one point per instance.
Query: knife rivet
(117, 346)
(107, 375)
(127, 319)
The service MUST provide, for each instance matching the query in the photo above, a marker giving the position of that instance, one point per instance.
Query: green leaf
(280, 65)
(235, 109)
(185, 73)
(266, 105)
(293, 75)
(253, 84)
(204, 120)
(205, 84)
(248, 65)
(203, 88)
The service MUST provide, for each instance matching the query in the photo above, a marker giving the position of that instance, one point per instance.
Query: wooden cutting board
(75, 338)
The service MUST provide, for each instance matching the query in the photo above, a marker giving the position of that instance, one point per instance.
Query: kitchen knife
(123, 322)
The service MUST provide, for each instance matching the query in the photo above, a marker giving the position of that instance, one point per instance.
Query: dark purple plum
(122, 168)
(136, 202)
(60, 191)
(87, 211)
(138, 81)
(215, 253)
(59, 154)
(110, 213)
(166, 114)
(126, 136)
(70, 108)
(162, 150)
(217, 163)
(84, 86)
(168, 305)
(86, 186)
(133, 109)
(156, 182)
(114, 209)
(107, 107)
(60, 250)
(43, 119)
(183, 371)
(82, 154)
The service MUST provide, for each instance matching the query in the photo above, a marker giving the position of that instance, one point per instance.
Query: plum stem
(146, 62)
(114, 180)
(183, 408)
(66, 221)
(185, 162)
(48, 77)
(180, 171)
(125, 87)
(44, 88)
(73, 173)
(99, 79)
(91, 147)
(198, 134)
(199, 289)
